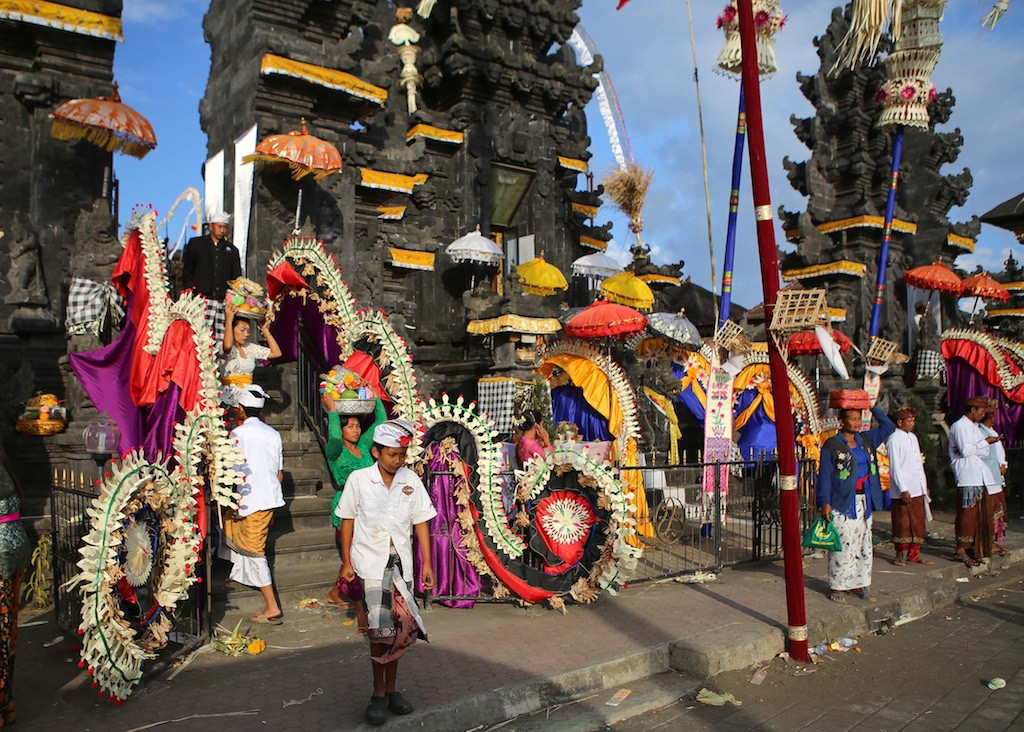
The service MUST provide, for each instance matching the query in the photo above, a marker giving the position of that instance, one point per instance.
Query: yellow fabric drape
(237, 379)
(691, 379)
(586, 375)
(809, 442)
(763, 399)
(674, 433)
(635, 481)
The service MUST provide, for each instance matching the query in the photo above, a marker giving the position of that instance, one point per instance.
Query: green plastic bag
(823, 535)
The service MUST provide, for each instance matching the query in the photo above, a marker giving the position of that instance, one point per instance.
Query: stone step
(292, 584)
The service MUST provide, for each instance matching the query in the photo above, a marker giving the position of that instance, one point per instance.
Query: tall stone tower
(845, 181)
(49, 53)
(470, 116)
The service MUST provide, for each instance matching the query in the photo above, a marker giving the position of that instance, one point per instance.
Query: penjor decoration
(406, 37)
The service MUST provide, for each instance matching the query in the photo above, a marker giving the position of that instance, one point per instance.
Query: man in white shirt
(996, 489)
(968, 448)
(380, 508)
(908, 488)
(246, 529)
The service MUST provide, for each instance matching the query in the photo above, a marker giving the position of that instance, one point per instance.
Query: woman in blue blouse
(848, 490)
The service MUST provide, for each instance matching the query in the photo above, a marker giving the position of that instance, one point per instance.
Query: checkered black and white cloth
(498, 399)
(215, 318)
(89, 303)
(930, 365)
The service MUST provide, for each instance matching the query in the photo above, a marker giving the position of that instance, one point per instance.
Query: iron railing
(1015, 475)
(69, 525)
(702, 517)
(309, 366)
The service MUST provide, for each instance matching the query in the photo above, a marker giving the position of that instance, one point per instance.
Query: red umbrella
(805, 343)
(935, 276)
(983, 285)
(105, 122)
(605, 319)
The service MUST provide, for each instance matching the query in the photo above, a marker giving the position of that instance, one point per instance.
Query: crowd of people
(848, 490)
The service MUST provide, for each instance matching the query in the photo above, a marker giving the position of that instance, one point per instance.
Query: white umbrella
(830, 349)
(475, 247)
(676, 327)
(597, 264)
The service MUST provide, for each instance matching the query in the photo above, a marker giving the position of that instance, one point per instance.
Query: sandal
(899, 562)
(264, 620)
(837, 596)
(966, 560)
(862, 593)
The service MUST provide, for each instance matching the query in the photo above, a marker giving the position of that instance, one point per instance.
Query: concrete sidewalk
(492, 663)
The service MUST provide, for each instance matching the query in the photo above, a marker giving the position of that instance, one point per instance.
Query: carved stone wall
(489, 75)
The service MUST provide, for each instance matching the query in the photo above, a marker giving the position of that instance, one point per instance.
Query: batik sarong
(974, 522)
(392, 616)
(909, 527)
(850, 569)
(247, 540)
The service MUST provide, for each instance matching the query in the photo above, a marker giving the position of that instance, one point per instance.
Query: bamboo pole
(883, 254)
(768, 253)
(734, 202)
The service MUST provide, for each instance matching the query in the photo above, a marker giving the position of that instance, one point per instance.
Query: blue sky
(163, 64)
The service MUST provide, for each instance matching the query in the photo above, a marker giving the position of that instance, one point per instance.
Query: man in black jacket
(207, 265)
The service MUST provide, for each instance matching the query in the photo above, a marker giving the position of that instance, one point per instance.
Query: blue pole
(883, 254)
(734, 202)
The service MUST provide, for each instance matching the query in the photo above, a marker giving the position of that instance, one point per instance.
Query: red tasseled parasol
(935, 276)
(805, 343)
(602, 319)
(983, 285)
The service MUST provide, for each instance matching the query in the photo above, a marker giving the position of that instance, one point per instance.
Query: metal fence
(703, 516)
(1015, 475)
(69, 525)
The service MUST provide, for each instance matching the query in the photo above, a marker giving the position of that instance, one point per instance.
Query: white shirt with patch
(383, 516)
(261, 447)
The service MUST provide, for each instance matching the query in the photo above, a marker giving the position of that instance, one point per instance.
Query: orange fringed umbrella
(303, 153)
(983, 285)
(626, 288)
(605, 319)
(935, 276)
(106, 122)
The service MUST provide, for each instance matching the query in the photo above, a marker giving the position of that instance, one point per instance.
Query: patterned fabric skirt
(974, 523)
(248, 536)
(850, 569)
(1000, 512)
(392, 615)
(215, 319)
(9, 597)
(908, 523)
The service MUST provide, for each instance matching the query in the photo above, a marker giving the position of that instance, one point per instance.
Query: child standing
(380, 508)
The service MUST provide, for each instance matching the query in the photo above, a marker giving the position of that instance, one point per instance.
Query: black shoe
(398, 704)
(377, 710)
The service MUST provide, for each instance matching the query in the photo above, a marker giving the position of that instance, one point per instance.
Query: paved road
(928, 675)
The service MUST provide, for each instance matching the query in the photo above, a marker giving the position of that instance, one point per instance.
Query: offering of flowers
(248, 298)
(351, 394)
(43, 415)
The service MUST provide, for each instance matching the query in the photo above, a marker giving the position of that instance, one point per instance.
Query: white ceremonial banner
(213, 185)
(244, 176)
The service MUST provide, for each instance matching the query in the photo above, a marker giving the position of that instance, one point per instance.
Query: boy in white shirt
(909, 490)
(381, 507)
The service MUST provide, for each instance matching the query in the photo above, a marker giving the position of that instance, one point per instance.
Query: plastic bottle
(821, 649)
(847, 642)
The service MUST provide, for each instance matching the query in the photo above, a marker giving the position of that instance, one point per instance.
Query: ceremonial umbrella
(597, 264)
(475, 247)
(806, 343)
(605, 319)
(626, 288)
(107, 123)
(676, 327)
(540, 278)
(983, 285)
(935, 276)
(304, 154)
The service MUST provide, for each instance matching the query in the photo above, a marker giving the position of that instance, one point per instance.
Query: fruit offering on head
(247, 297)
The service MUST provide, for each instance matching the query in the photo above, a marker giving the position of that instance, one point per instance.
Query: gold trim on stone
(62, 17)
(580, 166)
(410, 259)
(588, 211)
(390, 181)
(842, 267)
(589, 241)
(435, 133)
(323, 76)
(512, 323)
(867, 222)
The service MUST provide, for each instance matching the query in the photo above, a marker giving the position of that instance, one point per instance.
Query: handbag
(823, 535)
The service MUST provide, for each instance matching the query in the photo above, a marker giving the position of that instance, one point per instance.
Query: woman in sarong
(15, 552)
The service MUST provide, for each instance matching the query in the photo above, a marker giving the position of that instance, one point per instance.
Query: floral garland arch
(495, 545)
(352, 324)
(112, 650)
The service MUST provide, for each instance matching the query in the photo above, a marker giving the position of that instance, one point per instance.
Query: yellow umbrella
(626, 288)
(540, 278)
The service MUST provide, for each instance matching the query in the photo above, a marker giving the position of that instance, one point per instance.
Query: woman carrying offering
(239, 355)
(348, 449)
(848, 482)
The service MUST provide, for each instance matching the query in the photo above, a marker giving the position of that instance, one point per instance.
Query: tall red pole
(789, 500)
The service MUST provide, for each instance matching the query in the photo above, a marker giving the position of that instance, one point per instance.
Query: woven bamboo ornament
(883, 351)
(997, 12)
(768, 20)
(908, 90)
(627, 188)
(732, 338)
(870, 20)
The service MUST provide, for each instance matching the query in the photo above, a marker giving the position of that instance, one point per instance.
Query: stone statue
(94, 308)
(97, 248)
(25, 274)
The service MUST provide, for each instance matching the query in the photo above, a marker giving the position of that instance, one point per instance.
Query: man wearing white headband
(380, 507)
(246, 530)
(208, 263)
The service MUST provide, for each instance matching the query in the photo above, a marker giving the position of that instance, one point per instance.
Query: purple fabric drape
(963, 382)
(569, 405)
(286, 326)
(103, 375)
(453, 574)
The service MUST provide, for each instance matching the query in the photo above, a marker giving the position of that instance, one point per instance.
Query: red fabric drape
(981, 360)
